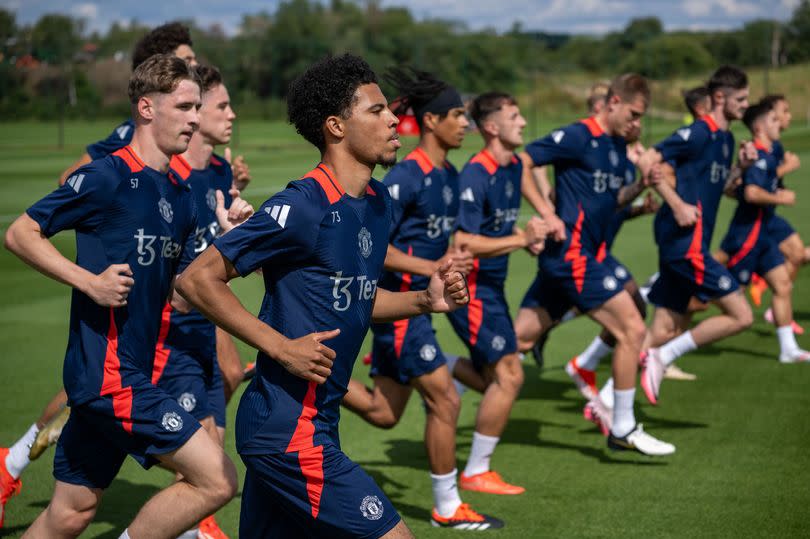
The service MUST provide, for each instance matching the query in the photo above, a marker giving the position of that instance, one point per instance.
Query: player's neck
(145, 147)
(601, 119)
(199, 153)
(501, 153)
(719, 118)
(435, 150)
(352, 175)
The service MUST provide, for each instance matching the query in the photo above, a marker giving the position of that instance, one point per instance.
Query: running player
(790, 243)
(321, 244)
(698, 102)
(749, 246)
(590, 161)
(701, 156)
(132, 217)
(405, 354)
(185, 365)
(491, 185)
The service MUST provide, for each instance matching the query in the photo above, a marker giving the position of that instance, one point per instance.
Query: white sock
(787, 340)
(124, 535)
(590, 358)
(606, 393)
(17, 459)
(677, 347)
(190, 534)
(624, 420)
(480, 453)
(445, 493)
(570, 314)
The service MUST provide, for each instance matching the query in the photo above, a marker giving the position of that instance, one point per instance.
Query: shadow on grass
(714, 350)
(395, 492)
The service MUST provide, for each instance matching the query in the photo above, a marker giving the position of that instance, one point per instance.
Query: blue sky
(572, 16)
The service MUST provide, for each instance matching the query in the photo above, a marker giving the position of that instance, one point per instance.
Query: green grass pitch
(742, 429)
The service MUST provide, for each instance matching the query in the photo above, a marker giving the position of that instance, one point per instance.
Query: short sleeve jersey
(321, 252)
(424, 204)
(191, 331)
(589, 166)
(489, 206)
(701, 154)
(121, 136)
(123, 212)
(761, 174)
(622, 215)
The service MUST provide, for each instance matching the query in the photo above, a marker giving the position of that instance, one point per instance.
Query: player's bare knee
(783, 287)
(385, 420)
(744, 319)
(225, 484)
(69, 520)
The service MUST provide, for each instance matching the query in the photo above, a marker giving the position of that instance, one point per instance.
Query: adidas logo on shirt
(122, 131)
(393, 190)
(75, 181)
(279, 213)
(558, 136)
(467, 195)
(685, 133)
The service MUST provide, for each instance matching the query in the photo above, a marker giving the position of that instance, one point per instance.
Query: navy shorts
(485, 326)
(200, 395)
(405, 349)
(779, 229)
(618, 269)
(143, 422)
(760, 258)
(335, 499)
(680, 279)
(560, 285)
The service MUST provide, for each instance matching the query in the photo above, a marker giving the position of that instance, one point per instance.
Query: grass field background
(742, 429)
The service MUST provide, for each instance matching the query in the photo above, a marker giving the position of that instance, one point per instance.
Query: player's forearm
(629, 193)
(391, 306)
(531, 191)
(208, 291)
(784, 169)
(486, 247)
(759, 196)
(24, 238)
(396, 260)
(668, 193)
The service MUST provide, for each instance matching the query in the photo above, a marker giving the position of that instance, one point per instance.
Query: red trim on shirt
(180, 166)
(579, 262)
(325, 178)
(710, 122)
(601, 254)
(593, 126)
(401, 326)
(695, 252)
(475, 308)
(161, 352)
(214, 161)
(422, 159)
(310, 458)
(486, 160)
(128, 155)
(760, 146)
(749, 242)
(111, 383)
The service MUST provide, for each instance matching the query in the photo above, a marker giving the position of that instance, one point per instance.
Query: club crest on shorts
(172, 421)
(211, 199)
(620, 272)
(610, 283)
(364, 242)
(498, 343)
(187, 401)
(744, 276)
(447, 195)
(724, 282)
(372, 508)
(427, 352)
(165, 210)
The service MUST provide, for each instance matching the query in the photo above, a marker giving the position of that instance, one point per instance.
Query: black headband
(448, 99)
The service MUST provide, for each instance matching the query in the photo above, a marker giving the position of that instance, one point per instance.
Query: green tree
(56, 38)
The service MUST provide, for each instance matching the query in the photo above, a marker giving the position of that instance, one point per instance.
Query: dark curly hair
(209, 76)
(162, 40)
(326, 89)
(416, 88)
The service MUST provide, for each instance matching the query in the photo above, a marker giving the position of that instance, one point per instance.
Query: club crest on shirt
(165, 210)
(447, 195)
(364, 242)
(725, 151)
(614, 158)
(211, 199)
(372, 508)
(428, 181)
(509, 189)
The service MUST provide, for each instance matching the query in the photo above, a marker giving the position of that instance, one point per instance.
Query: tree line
(55, 66)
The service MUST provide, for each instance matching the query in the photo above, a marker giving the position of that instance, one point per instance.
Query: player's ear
(146, 107)
(430, 120)
(335, 127)
(490, 128)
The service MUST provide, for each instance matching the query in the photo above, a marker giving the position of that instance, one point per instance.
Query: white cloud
(85, 11)
(697, 8)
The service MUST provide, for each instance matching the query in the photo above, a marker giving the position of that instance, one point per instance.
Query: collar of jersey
(710, 122)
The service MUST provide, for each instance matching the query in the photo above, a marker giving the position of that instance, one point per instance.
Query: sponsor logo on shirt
(147, 251)
(344, 293)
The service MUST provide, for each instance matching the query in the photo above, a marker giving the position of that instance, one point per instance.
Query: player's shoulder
(123, 131)
(575, 133)
(408, 169)
(220, 165)
(481, 164)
